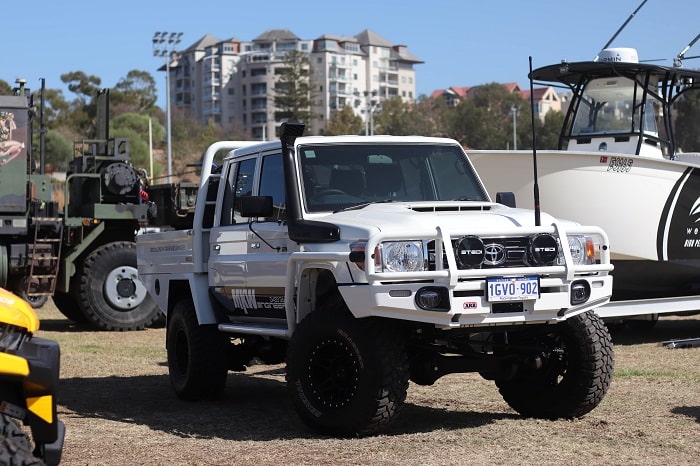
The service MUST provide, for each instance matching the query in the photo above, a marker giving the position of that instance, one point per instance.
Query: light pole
(370, 106)
(515, 111)
(164, 44)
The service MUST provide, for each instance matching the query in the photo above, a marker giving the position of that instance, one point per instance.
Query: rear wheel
(576, 367)
(111, 295)
(20, 288)
(346, 376)
(197, 355)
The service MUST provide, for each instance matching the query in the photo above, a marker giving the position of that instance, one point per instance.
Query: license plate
(513, 288)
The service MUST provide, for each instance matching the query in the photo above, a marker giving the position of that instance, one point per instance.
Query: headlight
(582, 250)
(402, 256)
(11, 337)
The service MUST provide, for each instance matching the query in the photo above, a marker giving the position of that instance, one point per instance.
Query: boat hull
(647, 206)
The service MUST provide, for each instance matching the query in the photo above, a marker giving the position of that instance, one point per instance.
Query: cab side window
(272, 184)
(239, 183)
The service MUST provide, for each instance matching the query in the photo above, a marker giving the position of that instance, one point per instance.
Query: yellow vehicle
(29, 372)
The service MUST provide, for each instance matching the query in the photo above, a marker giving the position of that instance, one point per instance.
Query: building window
(258, 72)
(319, 60)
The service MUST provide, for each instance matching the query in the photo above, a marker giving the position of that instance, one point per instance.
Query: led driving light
(403, 256)
(469, 252)
(543, 249)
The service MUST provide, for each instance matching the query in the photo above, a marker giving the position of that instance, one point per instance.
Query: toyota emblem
(494, 254)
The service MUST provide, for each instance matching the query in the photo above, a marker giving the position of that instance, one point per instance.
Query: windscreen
(340, 176)
(614, 106)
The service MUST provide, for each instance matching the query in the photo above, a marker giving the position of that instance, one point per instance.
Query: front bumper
(469, 306)
(32, 397)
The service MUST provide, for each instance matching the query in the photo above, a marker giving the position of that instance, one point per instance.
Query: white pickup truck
(366, 262)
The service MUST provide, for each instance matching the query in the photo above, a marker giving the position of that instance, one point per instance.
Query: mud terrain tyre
(111, 295)
(197, 359)
(346, 376)
(15, 446)
(577, 368)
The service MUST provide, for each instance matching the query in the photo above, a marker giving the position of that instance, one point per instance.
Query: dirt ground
(119, 409)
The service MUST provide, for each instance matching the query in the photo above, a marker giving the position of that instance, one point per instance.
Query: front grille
(499, 253)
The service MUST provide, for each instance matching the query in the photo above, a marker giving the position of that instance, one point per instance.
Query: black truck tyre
(577, 367)
(15, 446)
(197, 355)
(20, 289)
(69, 307)
(346, 376)
(111, 295)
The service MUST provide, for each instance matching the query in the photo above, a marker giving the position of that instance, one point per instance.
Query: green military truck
(84, 255)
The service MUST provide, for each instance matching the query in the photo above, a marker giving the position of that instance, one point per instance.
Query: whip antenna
(534, 150)
(621, 28)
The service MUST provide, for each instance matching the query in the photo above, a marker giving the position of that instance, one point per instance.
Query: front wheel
(576, 365)
(111, 295)
(197, 355)
(346, 376)
(15, 446)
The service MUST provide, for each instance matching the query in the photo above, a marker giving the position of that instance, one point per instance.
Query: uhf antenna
(621, 28)
(534, 151)
(678, 61)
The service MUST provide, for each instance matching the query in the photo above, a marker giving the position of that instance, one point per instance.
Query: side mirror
(506, 198)
(256, 206)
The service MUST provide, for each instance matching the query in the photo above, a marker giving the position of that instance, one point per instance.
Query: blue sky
(462, 43)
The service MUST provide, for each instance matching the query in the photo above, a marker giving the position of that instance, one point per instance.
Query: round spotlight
(543, 249)
(469, 252)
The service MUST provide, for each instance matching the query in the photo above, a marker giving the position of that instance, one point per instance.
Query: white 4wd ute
(366, 262)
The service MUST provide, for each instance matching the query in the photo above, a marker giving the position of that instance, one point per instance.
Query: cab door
(228, 239)
(269, 246)
(248, 256)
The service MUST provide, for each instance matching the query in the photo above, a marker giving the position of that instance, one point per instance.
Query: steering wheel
(327, 191)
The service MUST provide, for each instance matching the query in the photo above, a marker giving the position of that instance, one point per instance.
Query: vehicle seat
(384, 181)
(348, 180)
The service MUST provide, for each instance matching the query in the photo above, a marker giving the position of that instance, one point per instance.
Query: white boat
(620, 166)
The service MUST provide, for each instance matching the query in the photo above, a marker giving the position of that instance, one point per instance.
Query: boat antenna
(678, 61)
(621, 28)
(536, 186)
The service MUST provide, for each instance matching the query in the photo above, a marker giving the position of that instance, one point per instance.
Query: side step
(277, 331)
(686, 343)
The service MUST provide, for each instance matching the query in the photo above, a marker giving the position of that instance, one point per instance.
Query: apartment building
(232, 82)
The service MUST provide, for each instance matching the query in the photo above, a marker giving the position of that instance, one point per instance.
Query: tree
(138, 123)
(58, 151)
(57, 111)
(5, 88)
(294, 90)
(134, 93)
(84, 108)
(392, 118)
(344, 121)
(86, 87)
(548, 136)
(484, 120)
